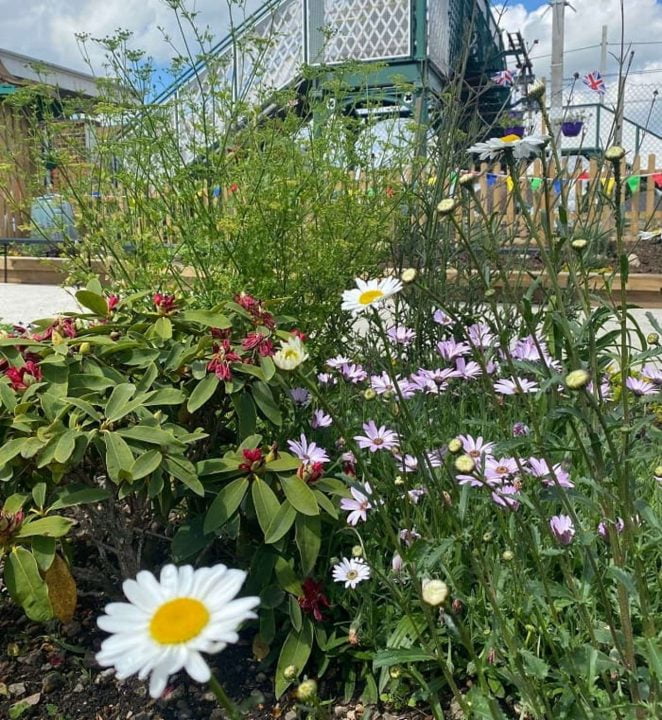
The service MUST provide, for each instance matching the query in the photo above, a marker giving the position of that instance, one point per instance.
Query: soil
(48, 672)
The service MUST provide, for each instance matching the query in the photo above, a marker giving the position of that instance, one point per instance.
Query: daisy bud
(396, 563)
(408, 275)
(357, 551)
(579, 244)
(369, 394)
(537, 90)
(465, 464)
(653, 339)
(85, 348)
(307, 690)
(455, 445)
(290, 672)
(394, 672)
(577, 379)
(434, 592)
(447, 206)
(507, 555)
(446, 497)
(353, 636)
(457, 605)
(467, 180)
(398, 480)
(615, 153)
(487, 536)
(658, 473)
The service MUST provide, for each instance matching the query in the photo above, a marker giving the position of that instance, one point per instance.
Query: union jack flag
(504, 78)
(594, 81)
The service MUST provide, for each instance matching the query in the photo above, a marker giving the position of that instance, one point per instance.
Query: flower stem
(223, 699)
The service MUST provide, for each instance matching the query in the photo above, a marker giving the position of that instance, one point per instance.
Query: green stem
(223, 699)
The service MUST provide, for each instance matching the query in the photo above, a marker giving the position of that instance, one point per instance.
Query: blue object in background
(53, 218)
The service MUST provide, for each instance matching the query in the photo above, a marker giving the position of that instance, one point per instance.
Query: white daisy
(367, 294)
(291, 354)
(351, 572)
(167, 623)
(521, 148)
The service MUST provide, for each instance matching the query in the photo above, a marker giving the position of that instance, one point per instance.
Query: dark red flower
(164, 303)
(254, 307)
(297, 333)
(252, 340)
(221, 359)
(21, 378)
(112, 301)
(266, 348)
(64, 326)
(313, 600)
(310, 472)
(253, 460)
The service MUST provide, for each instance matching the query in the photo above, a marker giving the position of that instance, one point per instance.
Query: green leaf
(43, 549)
(10, 450)
(264, 399)
(26, 586)
(265, 501)
(184, 470)
(309, 540)
(537, 668)
(225, 504)
(268, 367)
(388, 658)
(246, 414)
(65, 446)
(118, 399)
(85, 406)
(77, 495)
(54, 526)
(296, 618)
(208, 318)
(96, 303)
(281, 523)
(39, 495)
(283, 463)
(150, 435)
(166, 396)
(300, 495)
(189, 540)
(295, 651)
(7, 397)
(163, 328)
(119, 458)
(146, 464)
(286, 576)
(202, 392)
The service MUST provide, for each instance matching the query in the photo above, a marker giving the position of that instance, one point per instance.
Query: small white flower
(370, 293)
(521, 148)
(291, 354)
(358, 506)
(351, 572)
(167, 623)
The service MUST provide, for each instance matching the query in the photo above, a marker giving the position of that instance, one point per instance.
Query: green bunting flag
(634, 183)
(536, 183)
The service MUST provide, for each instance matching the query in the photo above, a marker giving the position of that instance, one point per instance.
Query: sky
(45, 29)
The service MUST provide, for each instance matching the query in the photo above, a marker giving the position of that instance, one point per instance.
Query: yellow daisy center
(178, 621)
(510, 138)
(291, 354)
(369, 296)
(352, 574)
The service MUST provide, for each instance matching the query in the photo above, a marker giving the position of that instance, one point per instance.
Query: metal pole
(603, 59)
(558, 26)
(620, 112)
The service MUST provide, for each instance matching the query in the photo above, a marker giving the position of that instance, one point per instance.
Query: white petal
(186, 576)
(197, 668)
(150, 584)
(169, 580)
(139, 596)
(122, 625)
(157, 684)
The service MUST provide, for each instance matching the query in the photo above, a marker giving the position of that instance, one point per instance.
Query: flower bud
(408, 275)
(579, 244)
(465, 464)
(307, 690)
(487, 536)
(658, 473)
(537, 90)
(290, 672)
(9, 524)
(85, 348)
(447, 206)
(434, 592)
(507, 555)
(357, 551)
(615, 153)
(369, 394)
(394, 672)
(577, 379)
(652, 338)
(467, 180)
(455, 445)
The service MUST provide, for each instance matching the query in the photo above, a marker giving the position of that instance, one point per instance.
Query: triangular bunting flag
(536, 183)
(634, 183)
(510, 183)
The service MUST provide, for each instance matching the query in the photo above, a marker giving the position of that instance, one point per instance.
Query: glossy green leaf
(300, 495)
(77, 495)
(54, 526)
(26, 586)
(225, 504)
(295, 651)
(265, 502)
(309, 541)
(184, 470)
(281, 523)
(119, 458)
(146, 464)
(202, 392)
(118, 399)
(265, 402)
(208, 318)
(90, 300)
(43, 549)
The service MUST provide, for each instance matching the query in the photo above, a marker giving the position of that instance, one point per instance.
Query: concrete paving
(25, 303)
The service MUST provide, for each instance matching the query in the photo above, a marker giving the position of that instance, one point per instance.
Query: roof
(16, 69)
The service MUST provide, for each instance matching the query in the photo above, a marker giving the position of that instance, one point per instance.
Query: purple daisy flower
(468, 370)
(377, 438)
(603, 531)
(441, 318)
(506, 496)
(451, 349)
(539, 468)
(515, 386)
(308, 453)
(358, 505)
(300, 396)
(353, 373)
(562, 529)
(480, 335)
(320, 419)
(640, 387)
(500, 471)
(401, 335)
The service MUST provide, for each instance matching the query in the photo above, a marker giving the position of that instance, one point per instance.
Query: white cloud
(45, 29)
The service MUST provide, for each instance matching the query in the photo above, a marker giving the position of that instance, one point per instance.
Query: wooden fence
(588, 190)
(16, 170)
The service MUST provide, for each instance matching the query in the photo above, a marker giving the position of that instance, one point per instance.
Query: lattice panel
(367, 29)
(438, 34)
(274, 64)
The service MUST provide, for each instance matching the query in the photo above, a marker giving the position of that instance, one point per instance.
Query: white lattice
(438, 29)
(367, 29)
(273, 59)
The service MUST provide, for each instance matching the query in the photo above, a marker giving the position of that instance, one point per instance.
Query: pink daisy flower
(515, 386)
(409, 537)
(500, 471)
(401, 335)
(407, 463)
(640, 387)
(353, 373)
(441, 318)
(308, 453)
(652, 374)
(320, 419)
(562, 528)
(539, 468)
(377, 438)
(358, 505)
(415, 494)
(476, 448)
(338, 361)
(451, 349)
(603, 531)
(506, 496)
(480, 336)
(467, 370)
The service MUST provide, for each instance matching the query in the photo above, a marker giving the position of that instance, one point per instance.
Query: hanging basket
(572, 128)
(514, 130)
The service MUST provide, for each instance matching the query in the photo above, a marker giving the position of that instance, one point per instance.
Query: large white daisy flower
(367, 294)
(521, 148)
(167, 623)
(351, 572)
